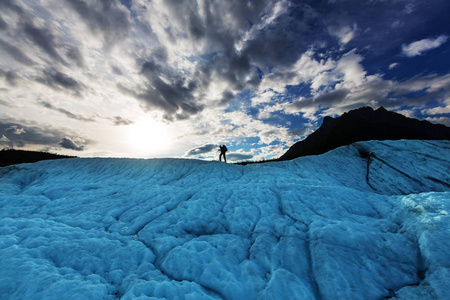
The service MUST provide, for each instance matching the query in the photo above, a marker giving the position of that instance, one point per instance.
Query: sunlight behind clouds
(148, 137)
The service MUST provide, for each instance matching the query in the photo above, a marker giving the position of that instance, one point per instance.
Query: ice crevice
(157, 263)
(161, 211)
(307, 240)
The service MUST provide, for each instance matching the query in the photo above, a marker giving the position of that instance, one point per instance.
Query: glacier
(364, 221)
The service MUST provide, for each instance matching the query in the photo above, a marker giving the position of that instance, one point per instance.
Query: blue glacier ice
(364, 221)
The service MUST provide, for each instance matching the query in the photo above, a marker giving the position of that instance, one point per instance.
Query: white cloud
(267, 110)
(439, 120)
(349, 66)
(422, 46)
(264, 97)
(305, 70)
(407, 113)
(347, 86)
(278, 10)
(344, 33)
(437, 110)
(393, 65)
(432, 84)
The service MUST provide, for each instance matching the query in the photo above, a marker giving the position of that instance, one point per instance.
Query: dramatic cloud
(19, 135)
(44, 39)
(202, 150)
(173, 95)
(108, 18)
(422, 46)
(68, 143)
(256, 75)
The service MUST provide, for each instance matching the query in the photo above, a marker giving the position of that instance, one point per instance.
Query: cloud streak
(58, 80)
(15, 53)
(66, 112)
(108, 19)
(422, 46)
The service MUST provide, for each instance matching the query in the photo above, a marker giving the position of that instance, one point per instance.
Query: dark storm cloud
(15, 53)
(68, 143)
(66, 112)
(242, 42)
(27, 28)
(177, 95)
(324, 26)
(234, 67)
(44, 39)
(57, 80)
(201, 150)
(227, 96)
(173, 94)
(106, 17)
(16, 134)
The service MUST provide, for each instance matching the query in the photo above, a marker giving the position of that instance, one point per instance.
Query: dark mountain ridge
(365, 124)
(12, 156)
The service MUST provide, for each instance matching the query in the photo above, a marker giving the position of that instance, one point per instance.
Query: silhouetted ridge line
(12, 157)
(365, 124)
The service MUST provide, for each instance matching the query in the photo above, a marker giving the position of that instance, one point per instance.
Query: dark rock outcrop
(365, 124)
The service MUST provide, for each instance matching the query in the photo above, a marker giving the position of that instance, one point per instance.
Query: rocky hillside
(365, 124)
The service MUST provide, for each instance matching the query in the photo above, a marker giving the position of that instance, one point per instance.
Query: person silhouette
(223, 149)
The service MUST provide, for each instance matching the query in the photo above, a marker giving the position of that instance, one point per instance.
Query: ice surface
(365, 221)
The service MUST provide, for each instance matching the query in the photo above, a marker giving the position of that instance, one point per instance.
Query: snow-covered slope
(364, 221)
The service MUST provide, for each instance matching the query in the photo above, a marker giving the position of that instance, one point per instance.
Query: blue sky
(142, 78)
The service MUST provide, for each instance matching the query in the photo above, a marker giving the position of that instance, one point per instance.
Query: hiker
(223, 149)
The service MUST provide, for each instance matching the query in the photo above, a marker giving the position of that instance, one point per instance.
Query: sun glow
(149, 137)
